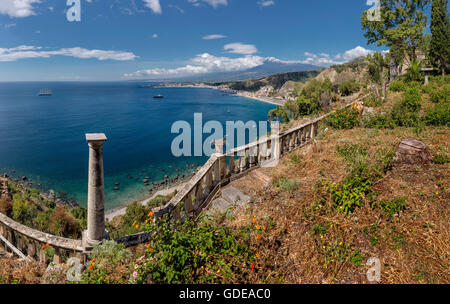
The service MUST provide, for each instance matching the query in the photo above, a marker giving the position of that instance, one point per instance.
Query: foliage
(318, 91)
(356, 258)
(343, 119)
(397, 86)
(279, 114)
(377, 67)
(440, 33)
(108, 264)
(394, 206)
(412, 100)
(348, 87)
(440, 95)
(64, 224)
(349, 194)
(352, 153)
(373, 101)
(402, 25)
(193, 253)
(22, 211)
(438, 114)
(6, 206)
(413, 72)
(379, 121)
(286, 184)
(441, 158)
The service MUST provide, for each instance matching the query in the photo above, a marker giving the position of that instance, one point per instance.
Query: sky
(163, 39)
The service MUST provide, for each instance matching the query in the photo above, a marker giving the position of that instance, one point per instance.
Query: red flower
(252, 266)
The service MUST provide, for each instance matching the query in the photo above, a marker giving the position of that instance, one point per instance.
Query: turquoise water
(43, 138)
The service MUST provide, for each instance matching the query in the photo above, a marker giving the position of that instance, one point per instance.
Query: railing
(195, 197)
(31, 241)
(221, 169)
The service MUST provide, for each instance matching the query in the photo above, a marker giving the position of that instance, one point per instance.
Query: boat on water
(45, 92)
(159, 96)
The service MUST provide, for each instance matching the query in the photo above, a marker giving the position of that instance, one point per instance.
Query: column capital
(96, 137)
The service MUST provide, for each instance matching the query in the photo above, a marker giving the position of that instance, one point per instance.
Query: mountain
(269, 67)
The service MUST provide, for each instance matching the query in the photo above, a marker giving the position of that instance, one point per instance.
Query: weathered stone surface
(235, 196)
(412, 151)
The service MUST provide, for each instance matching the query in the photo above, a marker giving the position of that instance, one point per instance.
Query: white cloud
(324, 59)
(202, 64)
(17, 8)
(265, 3)
(240, 48)
(355, 53)
(26, 51)
(214, 36)
(154, 36)
(154, 5)
(213, 3)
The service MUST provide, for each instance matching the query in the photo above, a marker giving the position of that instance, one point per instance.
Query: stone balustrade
(30, 241)
(219, 170)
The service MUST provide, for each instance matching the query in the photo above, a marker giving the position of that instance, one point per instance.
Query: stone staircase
(231, 198)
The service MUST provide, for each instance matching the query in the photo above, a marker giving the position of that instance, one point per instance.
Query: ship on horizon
(45, 92)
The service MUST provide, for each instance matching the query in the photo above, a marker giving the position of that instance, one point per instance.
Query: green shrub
(343, 119)
(397, 86)
(413, 72)
(440, 95)
(438, 115)
(402, 117)
(64, 224)
(286, 184)
(194, 253)
(6, 206)
(373, 101)
(350, 194)
(22, 211)
(351, 152)
(348, 87)
(320, 229)
(394, 206)
(135, 213)
(306, 106)
(109, 264)
(379, 121)
(357, 258)
(412, 100)
(441, 158)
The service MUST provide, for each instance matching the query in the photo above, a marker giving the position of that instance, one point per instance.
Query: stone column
(96, 193)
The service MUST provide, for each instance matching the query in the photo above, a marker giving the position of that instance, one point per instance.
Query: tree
(401, 26)
(440, 35)
(378, 72)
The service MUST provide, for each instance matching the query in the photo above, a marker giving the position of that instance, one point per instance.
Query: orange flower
(148, 245)
(150, 214)
(253, 220)
(137, 226)
(258, 227)
(90, 267)
(47, 244)
(151, 249)
(43, 247)
(93, 260)
(257, 255)
(264, 227)
(258, 237)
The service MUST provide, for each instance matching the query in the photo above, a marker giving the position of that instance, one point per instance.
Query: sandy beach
(109, 215)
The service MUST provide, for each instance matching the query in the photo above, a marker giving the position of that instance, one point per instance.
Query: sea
(42, 138)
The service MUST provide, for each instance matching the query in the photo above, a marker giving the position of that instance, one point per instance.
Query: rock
(368, 111)
(116, 188)
(24, 178)
(117, 183)
(412, 151)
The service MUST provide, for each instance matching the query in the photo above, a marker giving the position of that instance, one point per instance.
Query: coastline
(274, 101)
(110, 214)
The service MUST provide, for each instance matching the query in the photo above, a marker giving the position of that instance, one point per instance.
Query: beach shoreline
(111, 214)
(245, 94)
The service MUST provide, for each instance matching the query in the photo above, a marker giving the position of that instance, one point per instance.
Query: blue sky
(159, 39)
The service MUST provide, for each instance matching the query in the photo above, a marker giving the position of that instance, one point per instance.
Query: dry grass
(413, 246)
(14, 271)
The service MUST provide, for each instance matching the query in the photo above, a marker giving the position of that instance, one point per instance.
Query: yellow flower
(137, 226)
(321, 236)
(324, 247)
(340, 244)
(258, 227)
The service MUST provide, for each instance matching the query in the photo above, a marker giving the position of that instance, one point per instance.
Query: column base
(89, 244)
